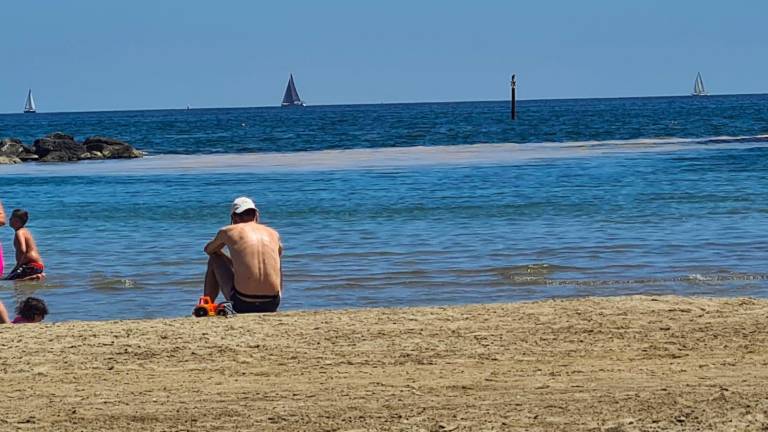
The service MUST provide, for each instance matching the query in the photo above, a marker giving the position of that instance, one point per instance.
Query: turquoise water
(624, 212)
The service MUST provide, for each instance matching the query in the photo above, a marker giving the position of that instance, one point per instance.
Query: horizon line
(184, 108)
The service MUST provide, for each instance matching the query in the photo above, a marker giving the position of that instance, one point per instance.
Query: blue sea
(405, 204)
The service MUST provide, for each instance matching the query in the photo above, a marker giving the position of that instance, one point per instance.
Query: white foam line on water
(378, 158)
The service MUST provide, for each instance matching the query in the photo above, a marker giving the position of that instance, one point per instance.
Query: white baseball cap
(242, 204)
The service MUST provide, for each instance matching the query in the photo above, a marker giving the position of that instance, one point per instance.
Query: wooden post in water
(513, 107)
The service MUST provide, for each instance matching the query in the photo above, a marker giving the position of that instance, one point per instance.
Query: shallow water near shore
(407, 226)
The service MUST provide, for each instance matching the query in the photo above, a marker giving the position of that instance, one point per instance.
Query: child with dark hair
(30, 310)
(29, 265)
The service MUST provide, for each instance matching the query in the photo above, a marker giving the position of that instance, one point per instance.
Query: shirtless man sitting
(251, 276)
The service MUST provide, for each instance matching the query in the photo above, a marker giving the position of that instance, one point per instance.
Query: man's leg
(34, 277)
(219, 276)
(18, 273)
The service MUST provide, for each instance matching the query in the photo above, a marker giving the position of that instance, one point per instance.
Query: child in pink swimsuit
(29, 310)
(2, 222)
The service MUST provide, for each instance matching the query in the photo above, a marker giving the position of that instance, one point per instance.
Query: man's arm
(37, 277)
(217, 244)
(280, 251)
(2, 215)
(20, 241)
(20, 244)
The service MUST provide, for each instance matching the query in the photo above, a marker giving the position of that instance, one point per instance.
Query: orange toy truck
(206, 307)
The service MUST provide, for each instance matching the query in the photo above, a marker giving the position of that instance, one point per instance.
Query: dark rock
(28, 157)
(109, 148)
(59, 156)
(15, 151)
(99, 143)
(9, 160)
(60, 136)
(58, 147)
(13, 147)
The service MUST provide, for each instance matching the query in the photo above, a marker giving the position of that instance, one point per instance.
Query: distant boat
(698, 87)
(29, 105)
(291, 97)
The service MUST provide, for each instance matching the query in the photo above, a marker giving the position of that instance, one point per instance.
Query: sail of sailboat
(698, 86)
(291, 97)
(29, 105)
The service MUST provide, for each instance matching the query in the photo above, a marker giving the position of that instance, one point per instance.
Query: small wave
(106, 283)
(662, 141)
(694, 278)
(381, 158)
(535, 269)
(724, 278)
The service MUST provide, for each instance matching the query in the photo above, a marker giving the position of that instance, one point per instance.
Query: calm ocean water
(579, 197)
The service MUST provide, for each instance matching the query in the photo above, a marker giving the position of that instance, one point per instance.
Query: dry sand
(618, 364)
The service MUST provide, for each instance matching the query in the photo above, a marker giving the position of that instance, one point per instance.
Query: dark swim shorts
(25, 271)
(246, 303)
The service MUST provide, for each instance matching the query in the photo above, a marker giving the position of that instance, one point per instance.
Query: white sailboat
(29, 105)
(698, 86)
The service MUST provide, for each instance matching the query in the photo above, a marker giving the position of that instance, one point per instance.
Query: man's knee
(220, 264)
(216, 260)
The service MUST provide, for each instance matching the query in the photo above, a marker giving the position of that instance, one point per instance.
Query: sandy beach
(618, 364)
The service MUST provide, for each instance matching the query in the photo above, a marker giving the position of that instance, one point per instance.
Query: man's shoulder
(268, 229)
(235, 228)
(225, 232)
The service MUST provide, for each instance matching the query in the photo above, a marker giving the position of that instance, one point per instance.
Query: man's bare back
(255, 251)
(26, 248)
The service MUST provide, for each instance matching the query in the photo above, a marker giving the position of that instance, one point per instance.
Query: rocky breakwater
(60, 147)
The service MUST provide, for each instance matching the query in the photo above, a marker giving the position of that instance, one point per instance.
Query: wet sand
(612, 364)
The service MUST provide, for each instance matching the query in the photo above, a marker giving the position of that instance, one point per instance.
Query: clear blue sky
(102, 55)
